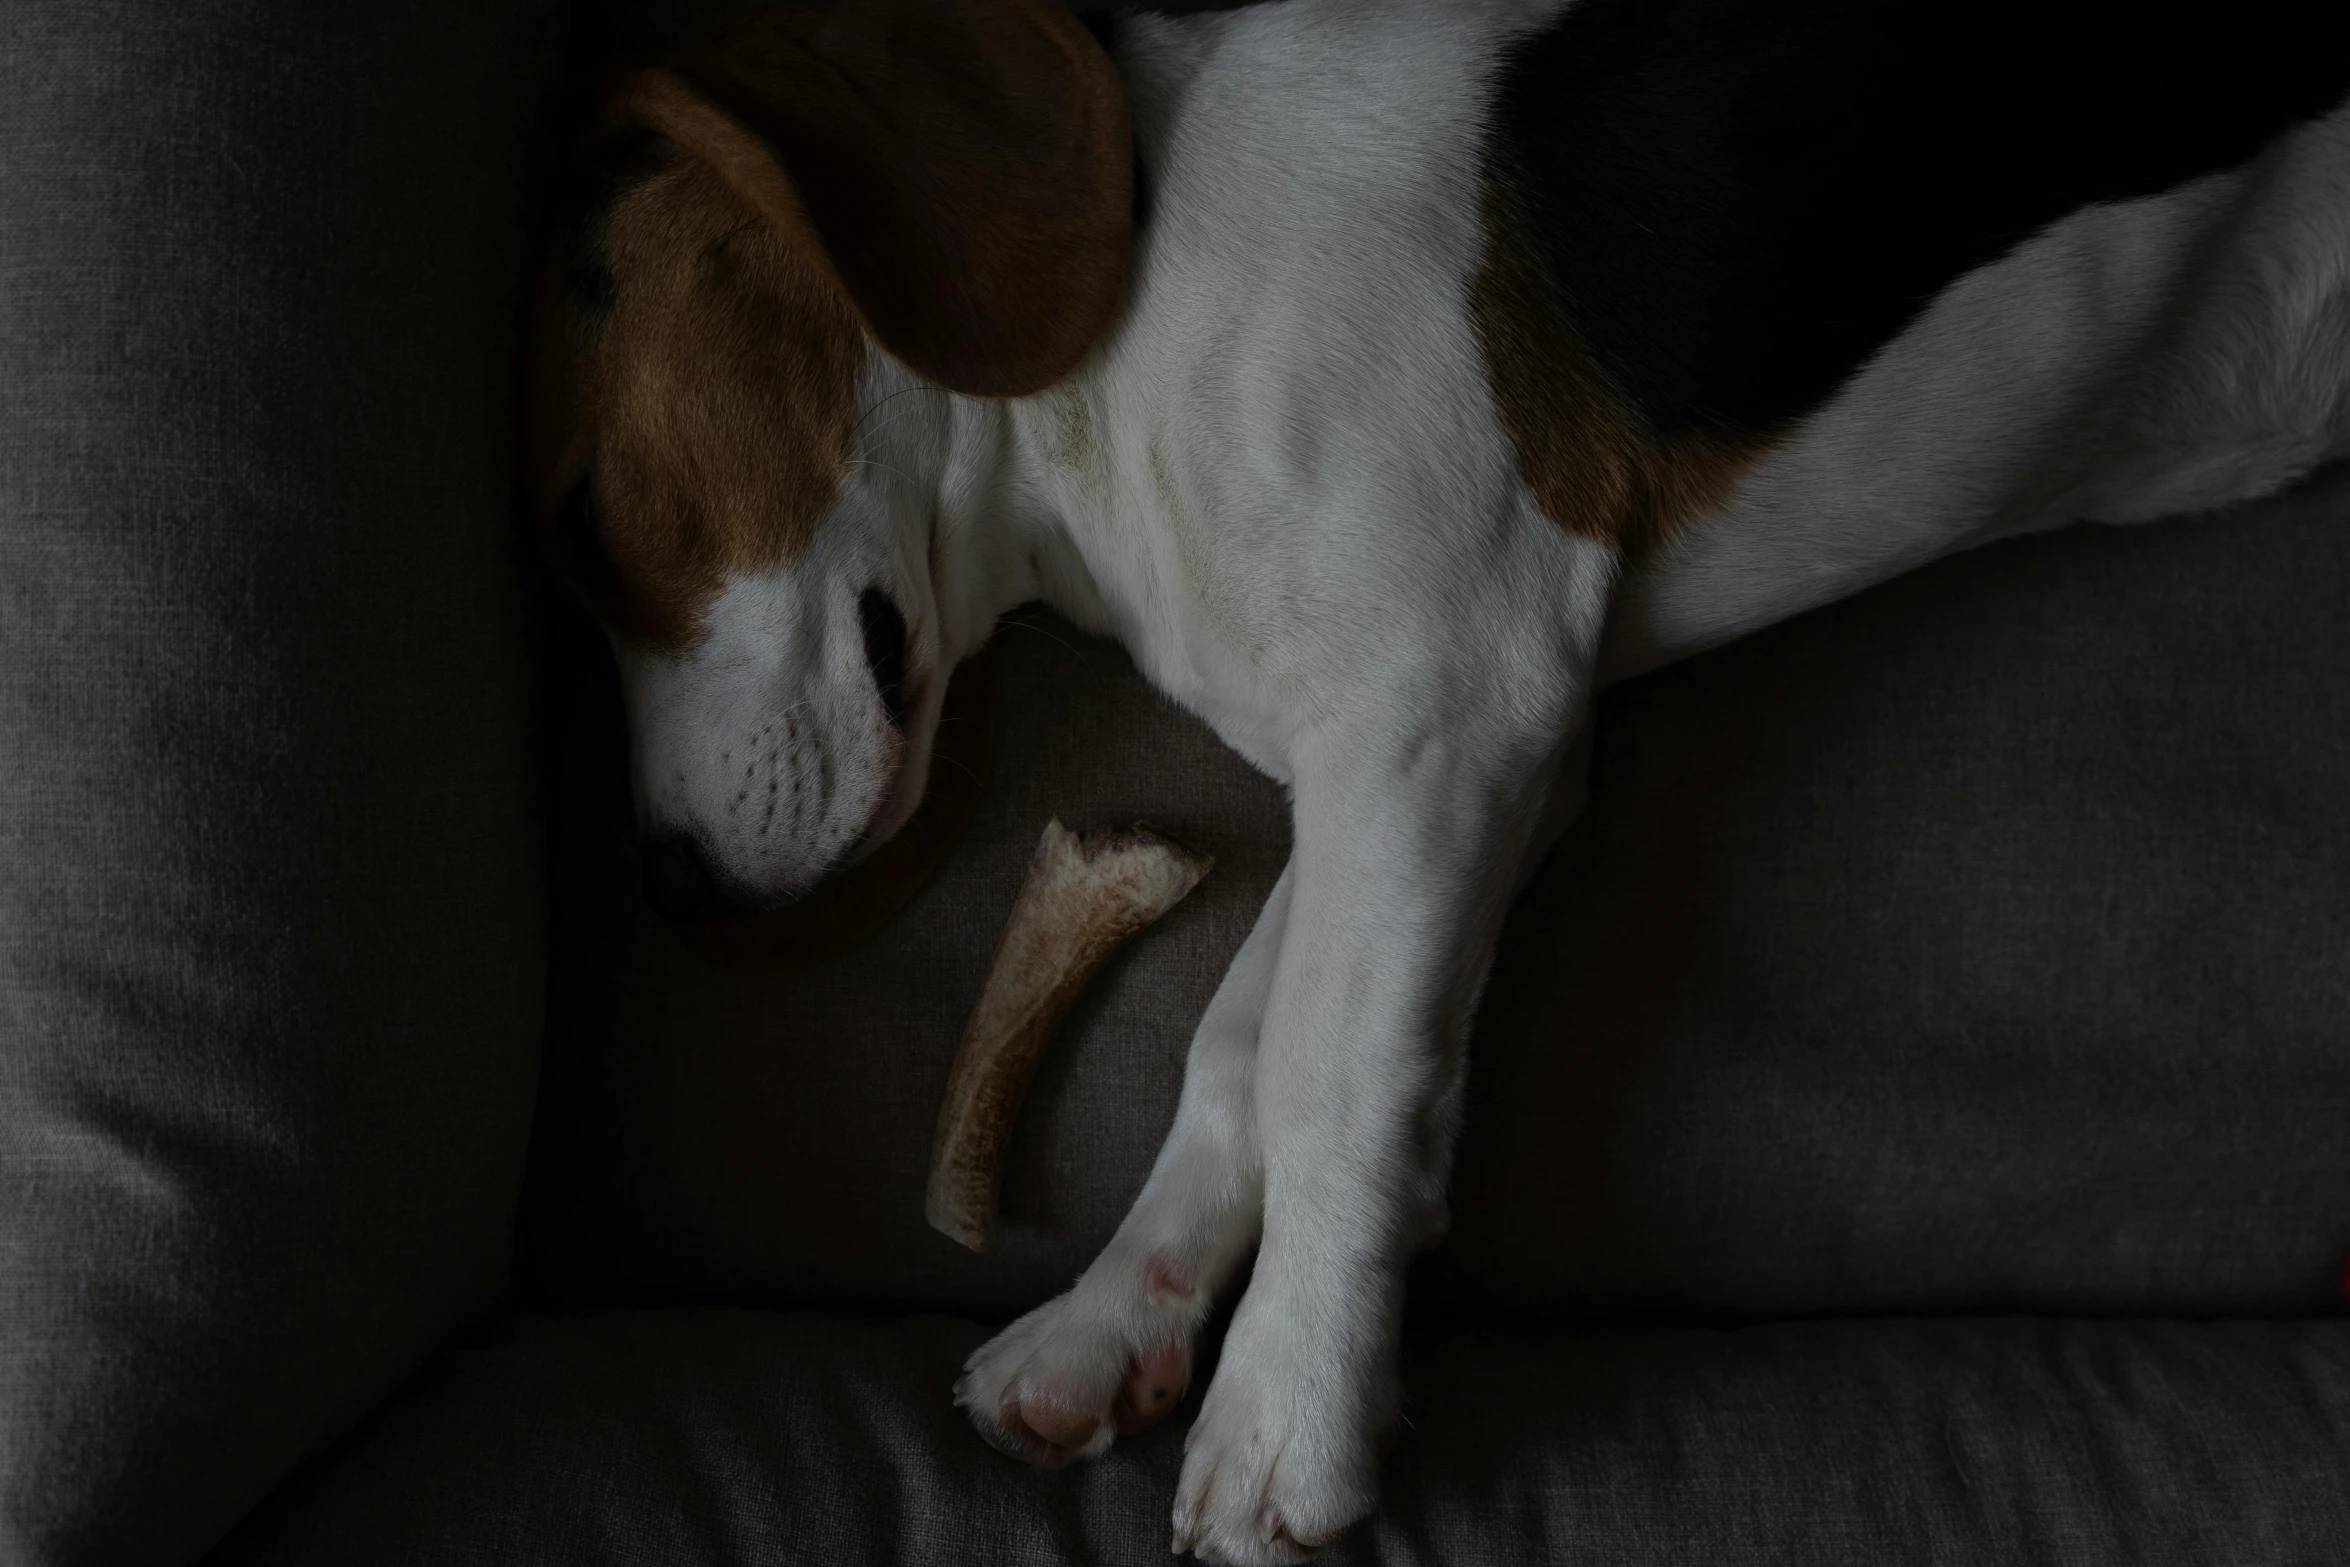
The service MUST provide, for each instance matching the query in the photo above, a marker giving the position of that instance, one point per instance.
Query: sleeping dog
(1386, 375)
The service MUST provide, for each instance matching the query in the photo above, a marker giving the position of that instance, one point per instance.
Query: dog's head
(803, 219)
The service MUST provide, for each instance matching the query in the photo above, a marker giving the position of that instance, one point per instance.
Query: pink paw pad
(1166, 1279)
(1155, 1385)
(1061, 1428)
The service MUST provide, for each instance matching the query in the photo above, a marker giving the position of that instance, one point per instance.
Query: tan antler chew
(1083, 897)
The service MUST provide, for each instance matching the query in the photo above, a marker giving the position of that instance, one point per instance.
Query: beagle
(1385, 375)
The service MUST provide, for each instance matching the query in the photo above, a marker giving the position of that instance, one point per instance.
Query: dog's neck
(1019, 489)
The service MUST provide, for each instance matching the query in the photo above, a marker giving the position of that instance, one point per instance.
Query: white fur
(2134, 360)
(1281, 484)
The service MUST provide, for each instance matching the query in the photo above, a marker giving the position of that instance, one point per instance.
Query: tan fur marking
(1596, 465)
(722, 389)
(1074, 447)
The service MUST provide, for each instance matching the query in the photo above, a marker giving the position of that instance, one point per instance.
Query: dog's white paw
(1079, 1371)
(1284, 1455)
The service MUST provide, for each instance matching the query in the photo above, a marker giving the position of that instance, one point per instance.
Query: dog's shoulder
(1704, 215)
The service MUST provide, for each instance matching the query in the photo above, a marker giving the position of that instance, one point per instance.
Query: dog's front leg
(1114, 1353)
(1407, 844)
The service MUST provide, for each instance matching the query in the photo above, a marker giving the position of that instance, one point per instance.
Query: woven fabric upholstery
(271, 915)
(722, 1439)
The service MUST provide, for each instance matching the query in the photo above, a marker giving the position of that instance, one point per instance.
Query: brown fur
(952, 177)
(968, 165)
(721, 389)
(1595, 463)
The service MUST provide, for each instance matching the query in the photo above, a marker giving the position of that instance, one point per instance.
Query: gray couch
(1910, 1119)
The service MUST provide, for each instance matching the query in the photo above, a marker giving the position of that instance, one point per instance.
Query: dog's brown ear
(965, 167)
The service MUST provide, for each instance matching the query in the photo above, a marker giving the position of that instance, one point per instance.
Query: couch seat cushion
(722, 1438)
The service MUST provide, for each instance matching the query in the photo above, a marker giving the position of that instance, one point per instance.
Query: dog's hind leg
(1114, 1353)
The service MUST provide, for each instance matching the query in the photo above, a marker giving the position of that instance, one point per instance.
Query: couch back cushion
(1982, 943)
(271, 918)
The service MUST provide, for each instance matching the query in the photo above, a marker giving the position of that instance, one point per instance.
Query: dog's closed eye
(885, 651)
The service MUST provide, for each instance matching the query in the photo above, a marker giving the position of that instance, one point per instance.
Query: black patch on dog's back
(1742, 199)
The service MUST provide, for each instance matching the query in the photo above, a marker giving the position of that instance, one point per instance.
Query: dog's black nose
(885, 651)
(680, 882)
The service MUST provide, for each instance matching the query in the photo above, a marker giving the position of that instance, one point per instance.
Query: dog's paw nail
(1186, 1532)
(1276, 1532)
(1187, 1517)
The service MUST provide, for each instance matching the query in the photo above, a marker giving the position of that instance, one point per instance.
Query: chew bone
(1083, 897)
